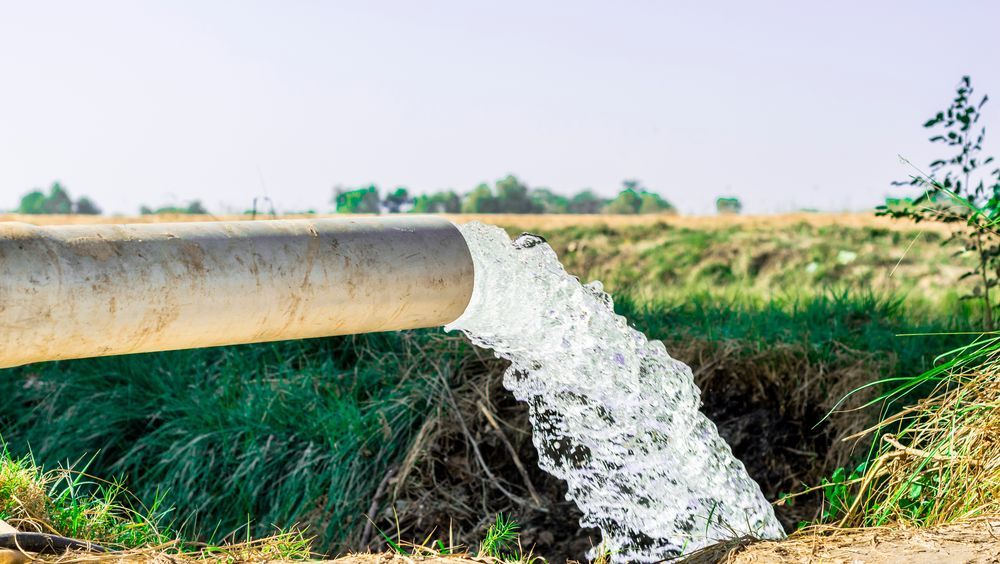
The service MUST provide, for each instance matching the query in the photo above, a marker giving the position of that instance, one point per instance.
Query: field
(363, 442)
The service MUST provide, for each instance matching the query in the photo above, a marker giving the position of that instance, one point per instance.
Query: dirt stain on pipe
(97, 248)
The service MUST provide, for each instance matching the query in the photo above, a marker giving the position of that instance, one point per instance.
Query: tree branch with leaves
(961, 190)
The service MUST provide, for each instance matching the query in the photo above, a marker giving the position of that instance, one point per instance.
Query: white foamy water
(613, 414)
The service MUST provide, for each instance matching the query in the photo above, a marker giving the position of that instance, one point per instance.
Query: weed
(837, 493)
(500, 539)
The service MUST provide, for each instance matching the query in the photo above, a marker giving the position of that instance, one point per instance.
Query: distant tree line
(195, 207)
(507, 195)
(56, 201)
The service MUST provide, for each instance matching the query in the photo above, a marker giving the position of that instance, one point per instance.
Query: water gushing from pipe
(613, 414)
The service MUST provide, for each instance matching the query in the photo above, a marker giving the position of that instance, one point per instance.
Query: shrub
(725, 205)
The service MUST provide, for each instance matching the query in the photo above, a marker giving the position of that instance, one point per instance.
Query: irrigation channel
(612, 413)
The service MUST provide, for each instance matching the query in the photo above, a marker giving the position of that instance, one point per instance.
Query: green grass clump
(500, 540)
(84, 508)
(289, 434)
(72, 504)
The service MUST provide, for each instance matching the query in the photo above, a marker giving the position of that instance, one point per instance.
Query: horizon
(783, 106)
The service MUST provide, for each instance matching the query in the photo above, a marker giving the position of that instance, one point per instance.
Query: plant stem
(988, 304)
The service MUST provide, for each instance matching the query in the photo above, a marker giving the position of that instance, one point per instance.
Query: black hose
(44, 543)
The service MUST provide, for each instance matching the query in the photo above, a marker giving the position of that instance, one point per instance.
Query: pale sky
(783, 104)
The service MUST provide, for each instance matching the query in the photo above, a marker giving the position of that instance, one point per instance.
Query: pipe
(97, 290)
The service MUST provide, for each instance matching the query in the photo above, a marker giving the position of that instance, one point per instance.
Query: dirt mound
(969, 541)
(475, 458)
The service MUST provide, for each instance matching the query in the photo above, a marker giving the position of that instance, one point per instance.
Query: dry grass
(939, 460)
(766, 402)
(542, 221)
(22, 492)
(270, 549)
(392, 558)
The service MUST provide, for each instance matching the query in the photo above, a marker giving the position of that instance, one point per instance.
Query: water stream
(613, 414)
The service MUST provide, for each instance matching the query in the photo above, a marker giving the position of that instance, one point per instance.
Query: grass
(662, 261)
(22, 492)
(501, 540)
(501, 544)
(823, 323)
(296, 433)
(71, 503)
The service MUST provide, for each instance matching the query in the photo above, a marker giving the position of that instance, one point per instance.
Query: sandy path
(973, 541)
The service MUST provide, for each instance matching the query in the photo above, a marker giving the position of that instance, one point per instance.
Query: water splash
(613, 414)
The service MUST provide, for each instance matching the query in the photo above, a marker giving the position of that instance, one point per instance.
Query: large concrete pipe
(96, 290)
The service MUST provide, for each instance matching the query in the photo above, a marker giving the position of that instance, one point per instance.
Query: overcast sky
(784, 104)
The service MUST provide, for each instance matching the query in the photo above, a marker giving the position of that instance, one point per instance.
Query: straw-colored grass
(537, 221)
(284, 547)
(937, 461)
